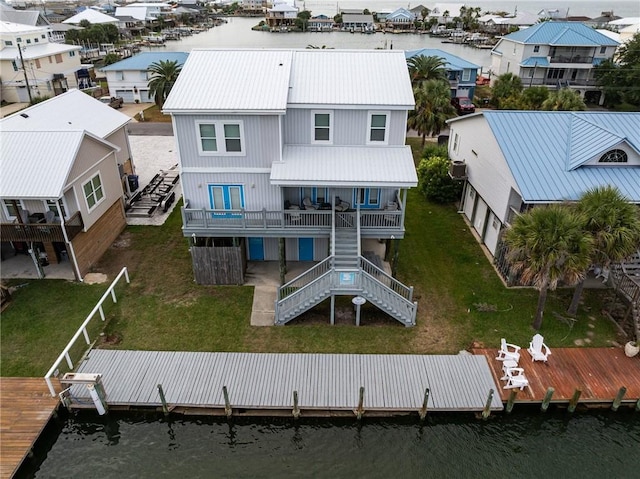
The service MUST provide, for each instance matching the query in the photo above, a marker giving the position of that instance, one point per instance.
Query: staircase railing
(319, 286)
(358, 230)
(389, 281)
(403, 309)
(305, 278)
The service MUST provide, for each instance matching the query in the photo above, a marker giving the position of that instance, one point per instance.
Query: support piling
(423, 410)
(616, 402)
(487, 407)
(296, 409)
(227, 405)
(165, 407)
(574, 400)
(512, 397)
(547, 399)
(360, 410)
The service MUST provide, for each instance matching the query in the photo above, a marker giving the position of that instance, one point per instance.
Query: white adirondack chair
(508, 351)
(516, 379)
(538, 350)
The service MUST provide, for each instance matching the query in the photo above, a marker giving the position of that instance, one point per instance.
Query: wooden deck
(598, 372)
(25, 409)
(263, 384)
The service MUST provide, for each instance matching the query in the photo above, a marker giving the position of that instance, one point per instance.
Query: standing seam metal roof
(544, 151)
(561, 33)
(243, 81)
(453, 62)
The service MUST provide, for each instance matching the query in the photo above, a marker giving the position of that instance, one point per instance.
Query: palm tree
(433, 108)
(506, 85)
(164, 75)
(548, 245)
(614, 225)
(423, 68)
(564, 100)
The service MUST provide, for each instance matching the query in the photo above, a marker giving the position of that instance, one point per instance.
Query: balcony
(287, 223)
(42, 232)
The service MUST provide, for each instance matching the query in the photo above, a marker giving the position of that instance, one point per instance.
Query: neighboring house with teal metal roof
(129, 78)
(513, 160)
(555, 55)
(461, 73)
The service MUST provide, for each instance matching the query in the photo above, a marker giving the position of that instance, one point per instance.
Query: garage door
(480, 216)
(127, 95)
(469, 199)
(144, 96)
(492, 232)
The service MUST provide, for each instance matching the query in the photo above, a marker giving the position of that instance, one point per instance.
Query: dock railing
(83, 329)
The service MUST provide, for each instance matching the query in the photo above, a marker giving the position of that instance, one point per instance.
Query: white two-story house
(299, 163)
(511, 161)
(555, 55)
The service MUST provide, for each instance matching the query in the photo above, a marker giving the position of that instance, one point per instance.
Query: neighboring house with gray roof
(555, 55)
(305, 163)
(65, 162)
(511, 161)
(129, 78)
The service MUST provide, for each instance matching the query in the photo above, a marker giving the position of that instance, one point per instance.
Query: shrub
(434, 180)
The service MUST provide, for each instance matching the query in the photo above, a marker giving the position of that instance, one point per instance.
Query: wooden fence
(218, 264)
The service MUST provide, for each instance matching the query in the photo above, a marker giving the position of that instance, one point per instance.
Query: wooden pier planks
(598, 372)
(26, 406)
(325, 382)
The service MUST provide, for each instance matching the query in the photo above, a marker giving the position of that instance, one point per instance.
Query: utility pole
(24, 70)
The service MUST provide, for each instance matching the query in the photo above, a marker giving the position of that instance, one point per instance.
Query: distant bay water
(237, 33)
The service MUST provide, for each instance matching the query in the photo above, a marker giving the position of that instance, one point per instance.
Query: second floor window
(93, 191)
(322, 127)
(378, 126)
(220, 138)
(58, 58)
(536, 49)
(603, 50)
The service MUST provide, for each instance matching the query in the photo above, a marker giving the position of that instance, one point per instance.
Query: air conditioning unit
(458, 170)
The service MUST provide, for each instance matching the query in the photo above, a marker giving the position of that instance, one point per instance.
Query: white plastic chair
(538, 350)
(508, 351)
(516, 379)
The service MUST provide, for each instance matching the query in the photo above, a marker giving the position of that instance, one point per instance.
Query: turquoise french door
(316, 195)
(226, 197)
(367, 197)
(256, 249)
(305, 249)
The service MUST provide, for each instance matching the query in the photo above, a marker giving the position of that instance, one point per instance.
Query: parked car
(463, 105)
(112, 101)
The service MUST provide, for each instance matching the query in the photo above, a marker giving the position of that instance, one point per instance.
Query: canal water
(524, 444)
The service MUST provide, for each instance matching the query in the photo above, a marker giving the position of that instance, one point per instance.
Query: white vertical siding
(261, 142)
(350, 127)
(258, 192)
(487, 171)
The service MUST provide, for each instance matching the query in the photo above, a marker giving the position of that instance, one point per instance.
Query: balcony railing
(42, 232)
(556, 82)
(572, 59)
(221, 220)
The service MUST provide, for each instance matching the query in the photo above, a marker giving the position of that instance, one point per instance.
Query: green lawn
(461, 300)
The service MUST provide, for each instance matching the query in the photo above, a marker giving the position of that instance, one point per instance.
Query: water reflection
(555, 444)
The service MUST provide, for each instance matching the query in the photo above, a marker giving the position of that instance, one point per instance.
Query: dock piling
(511, 400)
(487, 407)
(574, 400)
(360, 410)
(296, 409)
(547, 399)
(423, 410)
(227, 404)
(616, 402)
(163, 400)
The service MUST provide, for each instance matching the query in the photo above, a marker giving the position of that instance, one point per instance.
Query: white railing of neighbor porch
(83, 329)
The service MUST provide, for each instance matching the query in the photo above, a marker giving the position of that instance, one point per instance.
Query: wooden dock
(26, 406)
(597, 372)
(263, 384)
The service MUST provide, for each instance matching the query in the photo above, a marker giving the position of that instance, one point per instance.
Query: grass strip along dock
(264, 383)
(25, 409)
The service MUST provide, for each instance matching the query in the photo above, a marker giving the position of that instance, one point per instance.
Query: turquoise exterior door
(256, 249)
(305, 249)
